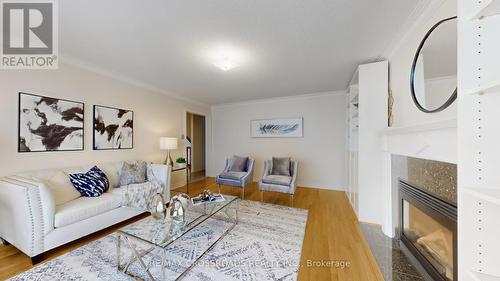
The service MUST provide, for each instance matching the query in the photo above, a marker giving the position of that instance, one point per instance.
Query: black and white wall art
(113, 128)
(50, 124)
(277, 128)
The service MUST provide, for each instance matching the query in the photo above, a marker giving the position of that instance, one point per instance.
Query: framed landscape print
(277, 128)
(113, 128)
(49, 124)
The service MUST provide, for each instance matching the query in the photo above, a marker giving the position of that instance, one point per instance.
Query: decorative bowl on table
(207, 197)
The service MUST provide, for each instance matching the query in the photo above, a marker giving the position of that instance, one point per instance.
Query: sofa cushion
(238, 164)
(232, 175)
(281, 166)
(62, 189)
(91, 184)
(133, 172)
(276, 179)
(112, 171)
(84, 208)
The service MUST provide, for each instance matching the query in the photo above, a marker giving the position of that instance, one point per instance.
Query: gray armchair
(236, 177)
(278, 183)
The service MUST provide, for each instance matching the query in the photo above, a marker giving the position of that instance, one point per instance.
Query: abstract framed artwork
(113, 128)
(277, 128)
(50, 124)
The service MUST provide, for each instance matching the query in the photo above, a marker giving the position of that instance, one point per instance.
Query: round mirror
(433, 79)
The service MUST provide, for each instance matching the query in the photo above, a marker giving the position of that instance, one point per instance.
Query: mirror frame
(452, 98)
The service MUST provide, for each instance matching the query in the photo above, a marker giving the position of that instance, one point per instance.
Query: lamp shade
(167, 143)
(187, 143)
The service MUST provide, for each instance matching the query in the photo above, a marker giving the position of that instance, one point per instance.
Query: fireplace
(428, 232)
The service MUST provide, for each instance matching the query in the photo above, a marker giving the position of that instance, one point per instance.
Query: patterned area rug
(265, 245)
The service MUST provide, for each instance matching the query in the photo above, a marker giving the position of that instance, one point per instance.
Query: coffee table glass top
(165, 231)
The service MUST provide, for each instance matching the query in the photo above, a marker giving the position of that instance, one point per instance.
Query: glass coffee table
(151, 234)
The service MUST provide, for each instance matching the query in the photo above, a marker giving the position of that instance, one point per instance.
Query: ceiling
(283, 47)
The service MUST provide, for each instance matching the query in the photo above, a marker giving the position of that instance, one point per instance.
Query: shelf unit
(477, 276)
(493, 86)
(487, 8)
(369, 86)
(478, 138)
(491, 195)
(353, 115)
(352, 141)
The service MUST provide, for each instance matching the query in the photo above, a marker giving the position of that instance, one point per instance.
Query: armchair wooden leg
(291, 200)
(219, 188)
(261, 196)
(243, 193)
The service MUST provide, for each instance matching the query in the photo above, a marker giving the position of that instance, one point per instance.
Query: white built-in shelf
(488, 8)
(488, 194)
(477, 276)
(493, 86)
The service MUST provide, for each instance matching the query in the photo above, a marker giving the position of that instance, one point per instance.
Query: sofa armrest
(226, 168)
(26, 214)
(228, 165)
(268, 165)
(249, 176)
(295, 164)
(160, 174)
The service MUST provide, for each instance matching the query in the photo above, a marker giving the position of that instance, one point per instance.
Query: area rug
(266, 244)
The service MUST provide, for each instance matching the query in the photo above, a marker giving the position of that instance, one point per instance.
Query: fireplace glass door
(430, 237)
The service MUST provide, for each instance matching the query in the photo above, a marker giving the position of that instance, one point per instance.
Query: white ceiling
(285, 47)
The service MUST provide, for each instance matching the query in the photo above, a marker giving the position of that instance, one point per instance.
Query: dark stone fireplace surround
(432, 185)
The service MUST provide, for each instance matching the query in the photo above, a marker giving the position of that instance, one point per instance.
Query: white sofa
(39, 211)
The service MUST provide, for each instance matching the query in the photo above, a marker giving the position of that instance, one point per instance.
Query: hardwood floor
(333, 235)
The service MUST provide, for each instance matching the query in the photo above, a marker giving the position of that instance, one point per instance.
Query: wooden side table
(188, 174)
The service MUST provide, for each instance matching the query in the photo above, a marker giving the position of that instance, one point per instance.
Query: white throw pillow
(62, 189)
(112, 171)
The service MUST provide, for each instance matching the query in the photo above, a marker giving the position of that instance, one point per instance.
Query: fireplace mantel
(431, 141)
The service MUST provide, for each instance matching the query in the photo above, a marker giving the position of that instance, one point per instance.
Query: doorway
(195, 132)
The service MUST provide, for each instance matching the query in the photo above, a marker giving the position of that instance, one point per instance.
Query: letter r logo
(27, 28)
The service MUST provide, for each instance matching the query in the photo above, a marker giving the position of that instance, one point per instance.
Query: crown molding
(422, 12)
(73, 61)
(281, 99)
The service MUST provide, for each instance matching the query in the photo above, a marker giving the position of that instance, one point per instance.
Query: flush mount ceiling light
(225, 56)
(225, 64)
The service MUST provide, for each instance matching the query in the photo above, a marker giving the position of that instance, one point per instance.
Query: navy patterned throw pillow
(91, 184)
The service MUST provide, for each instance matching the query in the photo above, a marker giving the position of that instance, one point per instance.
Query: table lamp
(167, 143)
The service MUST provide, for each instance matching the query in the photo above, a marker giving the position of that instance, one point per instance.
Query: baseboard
(370, 223)
(323, 188)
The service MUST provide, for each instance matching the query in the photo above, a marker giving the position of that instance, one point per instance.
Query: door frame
(184, 129)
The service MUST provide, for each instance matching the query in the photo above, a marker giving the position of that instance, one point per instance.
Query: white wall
(320, 152)
(155, 115)
(404, 110)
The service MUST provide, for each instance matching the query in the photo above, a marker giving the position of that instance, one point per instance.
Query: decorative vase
(390, 104)
(177, 207)
(158, 209)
